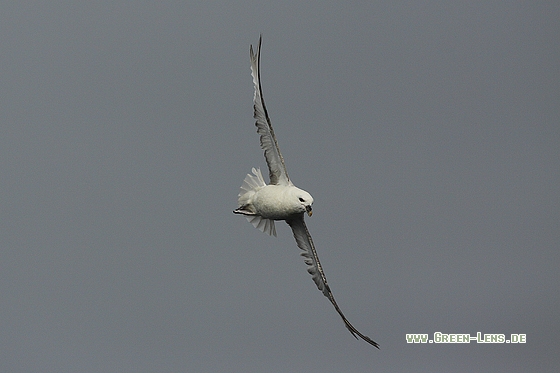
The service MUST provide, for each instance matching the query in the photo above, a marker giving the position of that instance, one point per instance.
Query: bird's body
(276, 202)
(263, 203)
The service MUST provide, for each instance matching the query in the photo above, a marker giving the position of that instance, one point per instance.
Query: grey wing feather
(305, 243)
(276, 167)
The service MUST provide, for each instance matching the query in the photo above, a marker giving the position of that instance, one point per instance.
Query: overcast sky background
(427, 132)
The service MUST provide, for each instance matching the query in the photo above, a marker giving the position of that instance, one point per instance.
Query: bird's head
(304, 201)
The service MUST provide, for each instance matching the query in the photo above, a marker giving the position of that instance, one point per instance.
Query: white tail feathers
(264, 225)
(250, 186)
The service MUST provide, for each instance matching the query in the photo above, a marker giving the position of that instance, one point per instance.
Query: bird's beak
(309, 211)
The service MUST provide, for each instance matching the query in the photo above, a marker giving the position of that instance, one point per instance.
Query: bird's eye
(301, 199)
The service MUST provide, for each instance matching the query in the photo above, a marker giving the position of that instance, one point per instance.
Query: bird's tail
(250, 186)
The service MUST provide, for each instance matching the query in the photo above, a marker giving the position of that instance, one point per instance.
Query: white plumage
(262, 204)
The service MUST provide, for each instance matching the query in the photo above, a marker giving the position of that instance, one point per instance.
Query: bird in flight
(262, 204)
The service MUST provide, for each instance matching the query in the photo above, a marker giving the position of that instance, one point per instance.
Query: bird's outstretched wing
(276, 167)
(304, 242)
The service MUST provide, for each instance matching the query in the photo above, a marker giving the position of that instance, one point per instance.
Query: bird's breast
(275, 202)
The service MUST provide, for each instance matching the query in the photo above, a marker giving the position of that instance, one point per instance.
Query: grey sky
(427, 132)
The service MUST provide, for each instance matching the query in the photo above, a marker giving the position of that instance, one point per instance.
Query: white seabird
(281, 199)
